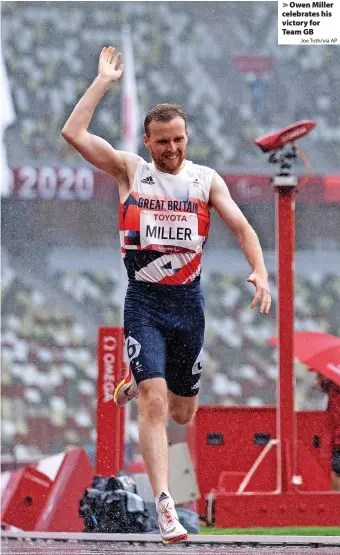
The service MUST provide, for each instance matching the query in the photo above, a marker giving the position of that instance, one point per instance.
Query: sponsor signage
(84, 184)
(110, 418)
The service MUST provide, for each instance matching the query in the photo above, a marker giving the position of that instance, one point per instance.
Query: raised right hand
(107, 64)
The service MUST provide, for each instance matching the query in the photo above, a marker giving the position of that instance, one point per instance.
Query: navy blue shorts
(164, 334)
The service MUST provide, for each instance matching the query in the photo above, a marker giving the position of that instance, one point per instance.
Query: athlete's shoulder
(199, 166)
(136, 159)
(204, 173)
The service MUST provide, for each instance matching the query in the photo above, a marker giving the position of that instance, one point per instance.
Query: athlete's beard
(167, 165)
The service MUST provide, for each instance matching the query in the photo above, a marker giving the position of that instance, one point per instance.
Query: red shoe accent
(126, 383)
(182, 538)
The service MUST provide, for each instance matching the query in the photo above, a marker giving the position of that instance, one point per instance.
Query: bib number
(179, 229)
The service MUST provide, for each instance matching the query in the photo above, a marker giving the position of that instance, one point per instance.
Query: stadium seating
(183, 56)
(48, 373)
(98, 293)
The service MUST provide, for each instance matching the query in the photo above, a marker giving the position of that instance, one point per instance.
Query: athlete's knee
(152, 401)
(153, 407)
(183, 415)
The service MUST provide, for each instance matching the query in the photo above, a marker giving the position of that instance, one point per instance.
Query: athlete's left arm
(230, 213)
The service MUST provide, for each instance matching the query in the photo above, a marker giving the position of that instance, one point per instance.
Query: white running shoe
(169, 525)
(126, 390)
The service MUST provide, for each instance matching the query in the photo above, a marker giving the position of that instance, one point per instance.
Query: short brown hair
(163, 113)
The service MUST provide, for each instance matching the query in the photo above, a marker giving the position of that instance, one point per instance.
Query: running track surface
(74, 547)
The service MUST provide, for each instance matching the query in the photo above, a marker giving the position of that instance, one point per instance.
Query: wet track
(15, 548)
(226, 545)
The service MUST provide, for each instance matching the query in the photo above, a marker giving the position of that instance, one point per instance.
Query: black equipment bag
(112, 505)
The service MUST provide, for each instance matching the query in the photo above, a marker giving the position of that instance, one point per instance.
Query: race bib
(178, 229)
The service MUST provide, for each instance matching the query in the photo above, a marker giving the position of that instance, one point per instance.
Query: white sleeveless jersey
(164, 224)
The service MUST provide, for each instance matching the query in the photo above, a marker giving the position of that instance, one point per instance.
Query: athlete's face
(167, 143)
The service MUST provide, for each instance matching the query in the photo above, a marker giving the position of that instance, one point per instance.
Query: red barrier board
(286, 509)
(32, 501)
(24, 498)
(240, 488)
(226, 442)
(110, 418)
(61, 511)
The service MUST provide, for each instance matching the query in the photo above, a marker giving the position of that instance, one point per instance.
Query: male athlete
(164, 223)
